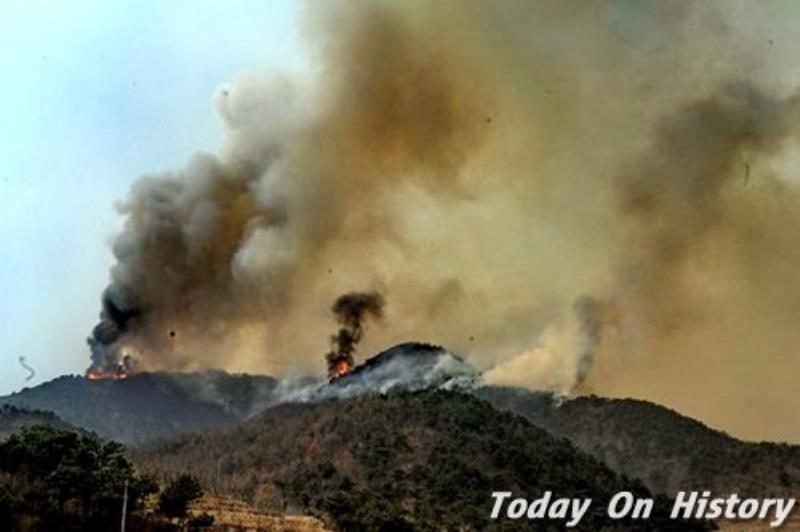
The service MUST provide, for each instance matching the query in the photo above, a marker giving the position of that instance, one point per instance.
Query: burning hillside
(112, 372)
(147, 405)
(409, 366)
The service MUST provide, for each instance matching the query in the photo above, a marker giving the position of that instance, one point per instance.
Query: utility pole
(124, 506)
(219, 471)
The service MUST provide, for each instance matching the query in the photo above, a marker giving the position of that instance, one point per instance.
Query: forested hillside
(407, 461)
(663, 449)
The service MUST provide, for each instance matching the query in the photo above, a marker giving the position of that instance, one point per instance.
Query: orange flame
(97, 375)
(341, 369)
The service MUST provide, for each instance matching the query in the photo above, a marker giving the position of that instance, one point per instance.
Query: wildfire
(116, 371)
(339, 368)
(115, 375)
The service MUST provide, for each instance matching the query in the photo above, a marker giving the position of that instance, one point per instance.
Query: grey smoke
(588, 311)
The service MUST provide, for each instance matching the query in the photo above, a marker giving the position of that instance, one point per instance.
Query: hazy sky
(94, 94)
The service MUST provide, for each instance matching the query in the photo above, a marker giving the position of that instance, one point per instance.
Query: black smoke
(351, 310)
(117, 313)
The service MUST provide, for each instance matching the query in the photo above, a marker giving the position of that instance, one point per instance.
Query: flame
(97, 375)
(341, 368)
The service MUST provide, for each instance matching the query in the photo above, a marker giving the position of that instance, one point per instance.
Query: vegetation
(54, 479)
(417, 460)
(665, 450)
(404, 461)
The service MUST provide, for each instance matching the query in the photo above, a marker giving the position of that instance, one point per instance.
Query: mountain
(152, 405)
(149, 405)
(424, 460)
(658, 446)
(664, 449)
(12, 419)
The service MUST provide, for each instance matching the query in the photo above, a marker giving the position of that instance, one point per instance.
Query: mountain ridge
(663, 449)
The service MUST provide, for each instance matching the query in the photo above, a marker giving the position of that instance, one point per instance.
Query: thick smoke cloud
(572, 195)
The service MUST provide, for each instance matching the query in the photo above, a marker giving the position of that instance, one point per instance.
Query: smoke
(351, 310)
(117, 311)
(588, 312)
(486, 166)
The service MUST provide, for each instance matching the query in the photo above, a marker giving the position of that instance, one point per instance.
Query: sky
(92, 96)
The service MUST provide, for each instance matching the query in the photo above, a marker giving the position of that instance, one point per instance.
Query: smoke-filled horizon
(576, 196)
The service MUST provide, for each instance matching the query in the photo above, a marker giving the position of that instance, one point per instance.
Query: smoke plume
(588, 313)
(485, 166)
(351, 310)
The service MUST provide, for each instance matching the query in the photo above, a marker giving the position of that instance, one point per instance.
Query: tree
(176, 497)
(61, 478)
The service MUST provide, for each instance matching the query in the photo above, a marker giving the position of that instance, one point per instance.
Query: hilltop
(13, 419)
(148, 405)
